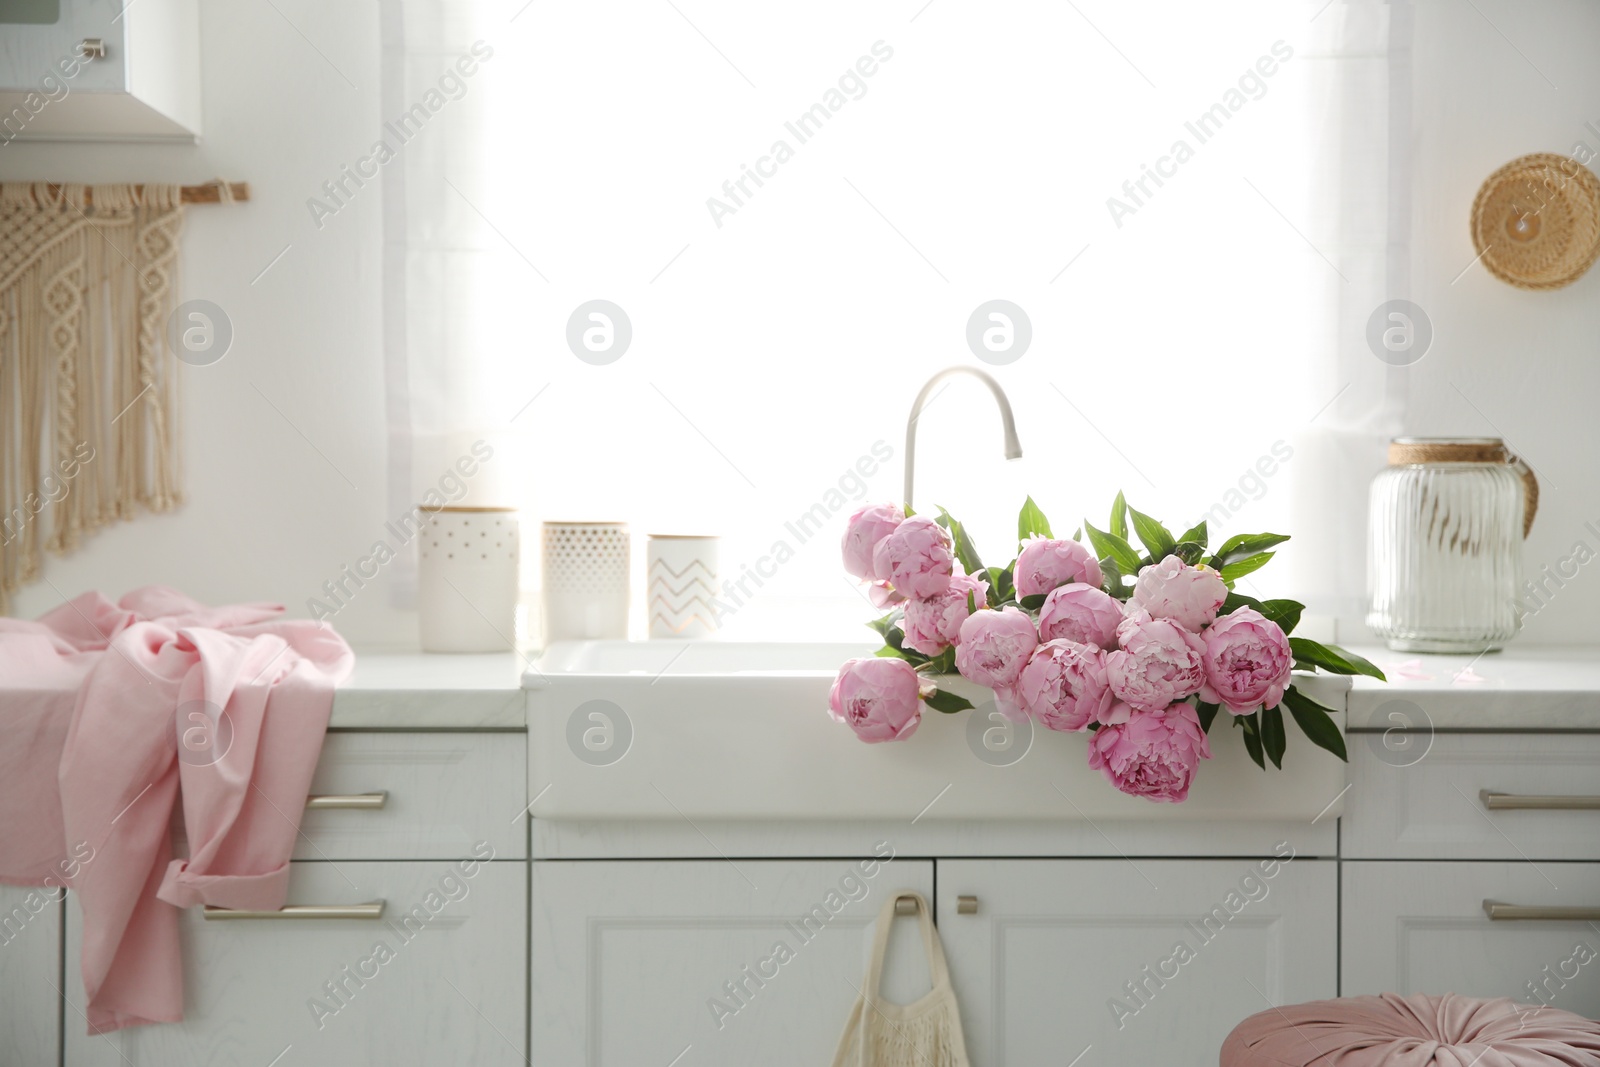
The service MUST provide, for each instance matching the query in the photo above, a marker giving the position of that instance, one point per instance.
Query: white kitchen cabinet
(1422, 928)
(1474, 797)
(395, 796)
(100, 70)
(30, 974)
(678, 962)
(441, 793)
(1116, 962)
(447, 988)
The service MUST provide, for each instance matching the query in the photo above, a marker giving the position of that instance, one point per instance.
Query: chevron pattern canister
(682, 584)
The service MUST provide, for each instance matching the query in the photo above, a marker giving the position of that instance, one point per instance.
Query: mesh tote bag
(924, 1033)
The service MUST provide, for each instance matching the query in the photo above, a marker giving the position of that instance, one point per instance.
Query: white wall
(270, 518)
(1525, 363)
(267, 518)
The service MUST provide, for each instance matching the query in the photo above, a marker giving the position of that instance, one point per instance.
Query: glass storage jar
(1444, 551)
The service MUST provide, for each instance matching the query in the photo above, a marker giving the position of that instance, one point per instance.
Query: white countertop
(1530, 687)
(422, 691)
(1525, 687)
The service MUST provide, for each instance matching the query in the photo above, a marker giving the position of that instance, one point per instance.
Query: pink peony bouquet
(1064, 638)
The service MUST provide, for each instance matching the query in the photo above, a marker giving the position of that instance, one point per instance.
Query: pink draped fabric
(114, 710)
(1414, 1031)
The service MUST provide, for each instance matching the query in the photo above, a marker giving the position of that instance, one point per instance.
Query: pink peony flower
(868, 526)
(933, 624)
(882, 595)
(915, 558)
(1064, 685)
(1159, 662)
(1086, 614)
(992, 648)
(878, 698)
(1247, 662)
(1151, 754)
(1189, 596)
(1044, 564)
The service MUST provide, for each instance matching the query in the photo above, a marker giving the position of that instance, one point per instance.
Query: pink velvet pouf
(1415, 1031)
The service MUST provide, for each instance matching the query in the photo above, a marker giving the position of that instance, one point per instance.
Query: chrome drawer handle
(1498, 912)
(349, 802)
(373, 910)
(1518, 802)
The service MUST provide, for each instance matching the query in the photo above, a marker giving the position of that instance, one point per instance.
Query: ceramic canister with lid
(467, 579)
(586, 587)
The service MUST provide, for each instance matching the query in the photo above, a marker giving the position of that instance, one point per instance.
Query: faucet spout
(1012, 445)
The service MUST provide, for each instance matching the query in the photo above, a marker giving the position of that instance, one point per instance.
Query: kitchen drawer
(418, 795)
(1424, 802)
(447, 986)
(1422, 928)
(444, 792)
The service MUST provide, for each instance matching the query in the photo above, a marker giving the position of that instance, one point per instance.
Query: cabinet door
(1131, 962)
(448, 988)
(1423, 928)
(30, 974)
(34, 52)
(679, 962)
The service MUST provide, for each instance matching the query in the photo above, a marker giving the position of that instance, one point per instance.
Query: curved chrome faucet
(1013, 446)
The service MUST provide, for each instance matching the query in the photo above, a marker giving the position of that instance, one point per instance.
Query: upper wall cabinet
(99, 70)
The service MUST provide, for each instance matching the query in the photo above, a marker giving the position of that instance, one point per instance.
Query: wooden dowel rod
(209, 193)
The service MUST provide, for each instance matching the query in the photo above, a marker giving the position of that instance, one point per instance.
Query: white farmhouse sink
(718, 730)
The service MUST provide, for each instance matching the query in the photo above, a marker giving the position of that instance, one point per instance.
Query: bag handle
(931, 946)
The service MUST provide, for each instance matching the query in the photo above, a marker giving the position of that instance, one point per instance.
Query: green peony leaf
(887, 623)
(1272, 737)
(1252, 738)
(1111, 578)
(1156, 538)
(1286, 613)
(949, 703)
(1249, 565)
(1235, 601)
(966, 552)
(1315, 722)
(1031, 521)
(1111, 545)
(896, 640)
(1333, 659)
(1000, 587)
(1241, 545)
(943, 663)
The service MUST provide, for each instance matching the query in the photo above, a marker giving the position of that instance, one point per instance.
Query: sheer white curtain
(799, 208)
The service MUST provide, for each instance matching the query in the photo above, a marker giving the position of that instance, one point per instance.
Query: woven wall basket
(1536, 221)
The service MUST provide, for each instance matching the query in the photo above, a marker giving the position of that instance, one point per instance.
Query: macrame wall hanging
(89, 419)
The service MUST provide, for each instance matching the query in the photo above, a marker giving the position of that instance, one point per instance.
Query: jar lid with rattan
(1536, 221)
